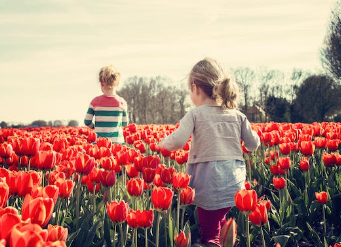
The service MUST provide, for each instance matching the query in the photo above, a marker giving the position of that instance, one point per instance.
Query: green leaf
(314, 234)
(107, 230)
(91, 233)
(171, 229)
(281, 239)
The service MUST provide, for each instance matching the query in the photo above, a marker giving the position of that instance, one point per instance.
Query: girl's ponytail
(226, 93)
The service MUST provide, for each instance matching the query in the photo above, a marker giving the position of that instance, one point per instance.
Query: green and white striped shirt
(110, 116)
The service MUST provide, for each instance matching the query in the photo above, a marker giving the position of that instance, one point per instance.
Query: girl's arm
(249, 136)
(125, 120)
(89, 116)
(180, 136)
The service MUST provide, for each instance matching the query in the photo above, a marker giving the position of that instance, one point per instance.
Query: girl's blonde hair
(110, 76)
(211, 77)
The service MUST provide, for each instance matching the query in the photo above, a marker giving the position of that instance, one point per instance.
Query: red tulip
(320, 142)
(4, 192)
(65, 187)
(145, 218)
(56, 233)
(279, 183)
(131, 171)
(108, 178)
(39, 209)
(333, 145)
(247, 185)
(135, 186)
(187, 196)
(167, 175)
(181, 240)
(84, 163)
(329, 159)
(157, 181)
(27, 234)
(44, 160)
(307, 148)
(246, 200)
(8, 218)
(304, 164)
(284, 148)
(284, 163)
(50, 191)
(103, 142)
(108, 163)
(162, 198)
(148, 174)
(118, 211)
(30, 146)
(6, 150)
(180, 180)
(132, 219)
(321, 197)
(228, 234)
(259, 216)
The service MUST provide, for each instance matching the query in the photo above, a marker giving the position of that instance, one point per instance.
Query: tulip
(284, 148)
(167, 175)
(30, 146)
(157, 181)
(39, 209)
(279, 183)
(103, 142)
(84, 163)
(307, 148)
(27, 234)
(228, 234)
(65, 187)
(162, 198)
(56, 233)
(304, 164)
(148, 174)
(135, 186)
(187, 196)
(321, 197)
(50, 191)
(118, 211)
(246, 200)
(259, 216)
(180, 180)
(131, 171)
(283, 163)
(7, 221)
(329, 159)
(333, 145)
(4, 192)
(44, 160)
(181, 240)
(6, 150)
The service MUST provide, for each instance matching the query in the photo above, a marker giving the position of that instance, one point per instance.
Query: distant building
(256, 114)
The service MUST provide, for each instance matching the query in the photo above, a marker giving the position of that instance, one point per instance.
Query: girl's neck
(109, 92)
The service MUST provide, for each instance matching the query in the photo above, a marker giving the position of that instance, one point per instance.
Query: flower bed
(59, 188)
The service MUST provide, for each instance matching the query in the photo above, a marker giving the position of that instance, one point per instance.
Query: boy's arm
(89, 116)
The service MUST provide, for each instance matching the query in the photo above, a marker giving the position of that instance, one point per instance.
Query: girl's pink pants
(211, 222)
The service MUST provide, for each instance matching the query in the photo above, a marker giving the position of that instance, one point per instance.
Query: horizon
(50, 50)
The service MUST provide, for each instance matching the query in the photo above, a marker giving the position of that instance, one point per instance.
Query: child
(109, 109)
(215, 160)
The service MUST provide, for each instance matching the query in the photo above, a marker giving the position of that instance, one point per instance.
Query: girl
(215, 160)
(109, 109)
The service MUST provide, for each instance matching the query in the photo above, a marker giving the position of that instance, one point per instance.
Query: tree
(317, 98)
(331, 52)
(39, 123)
(277, 109)
(73, 123)
(244, 77)
(3, 125)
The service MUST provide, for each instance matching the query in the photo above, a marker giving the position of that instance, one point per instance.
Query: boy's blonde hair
(211, 77)
(110, 76)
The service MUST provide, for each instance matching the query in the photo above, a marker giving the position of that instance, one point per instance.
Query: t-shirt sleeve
(249, 136)
(89, 115)
(125, 119)
(181, 135)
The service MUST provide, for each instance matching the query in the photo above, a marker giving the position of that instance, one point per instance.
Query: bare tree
(244, 76)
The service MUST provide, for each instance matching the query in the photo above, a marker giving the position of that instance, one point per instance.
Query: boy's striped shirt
(110, 116)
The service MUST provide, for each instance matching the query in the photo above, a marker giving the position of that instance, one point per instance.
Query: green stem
(157, 229)
(145, 237)
(122, 236)
(77, 201)
(178, 212)
(183, 216)
(262, 235)
(324, 220)
(94, 198)
(247, 231)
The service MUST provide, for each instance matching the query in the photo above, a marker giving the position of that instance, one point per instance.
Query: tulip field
(63, 186)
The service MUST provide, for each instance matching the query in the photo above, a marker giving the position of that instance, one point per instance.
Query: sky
(52, 50)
